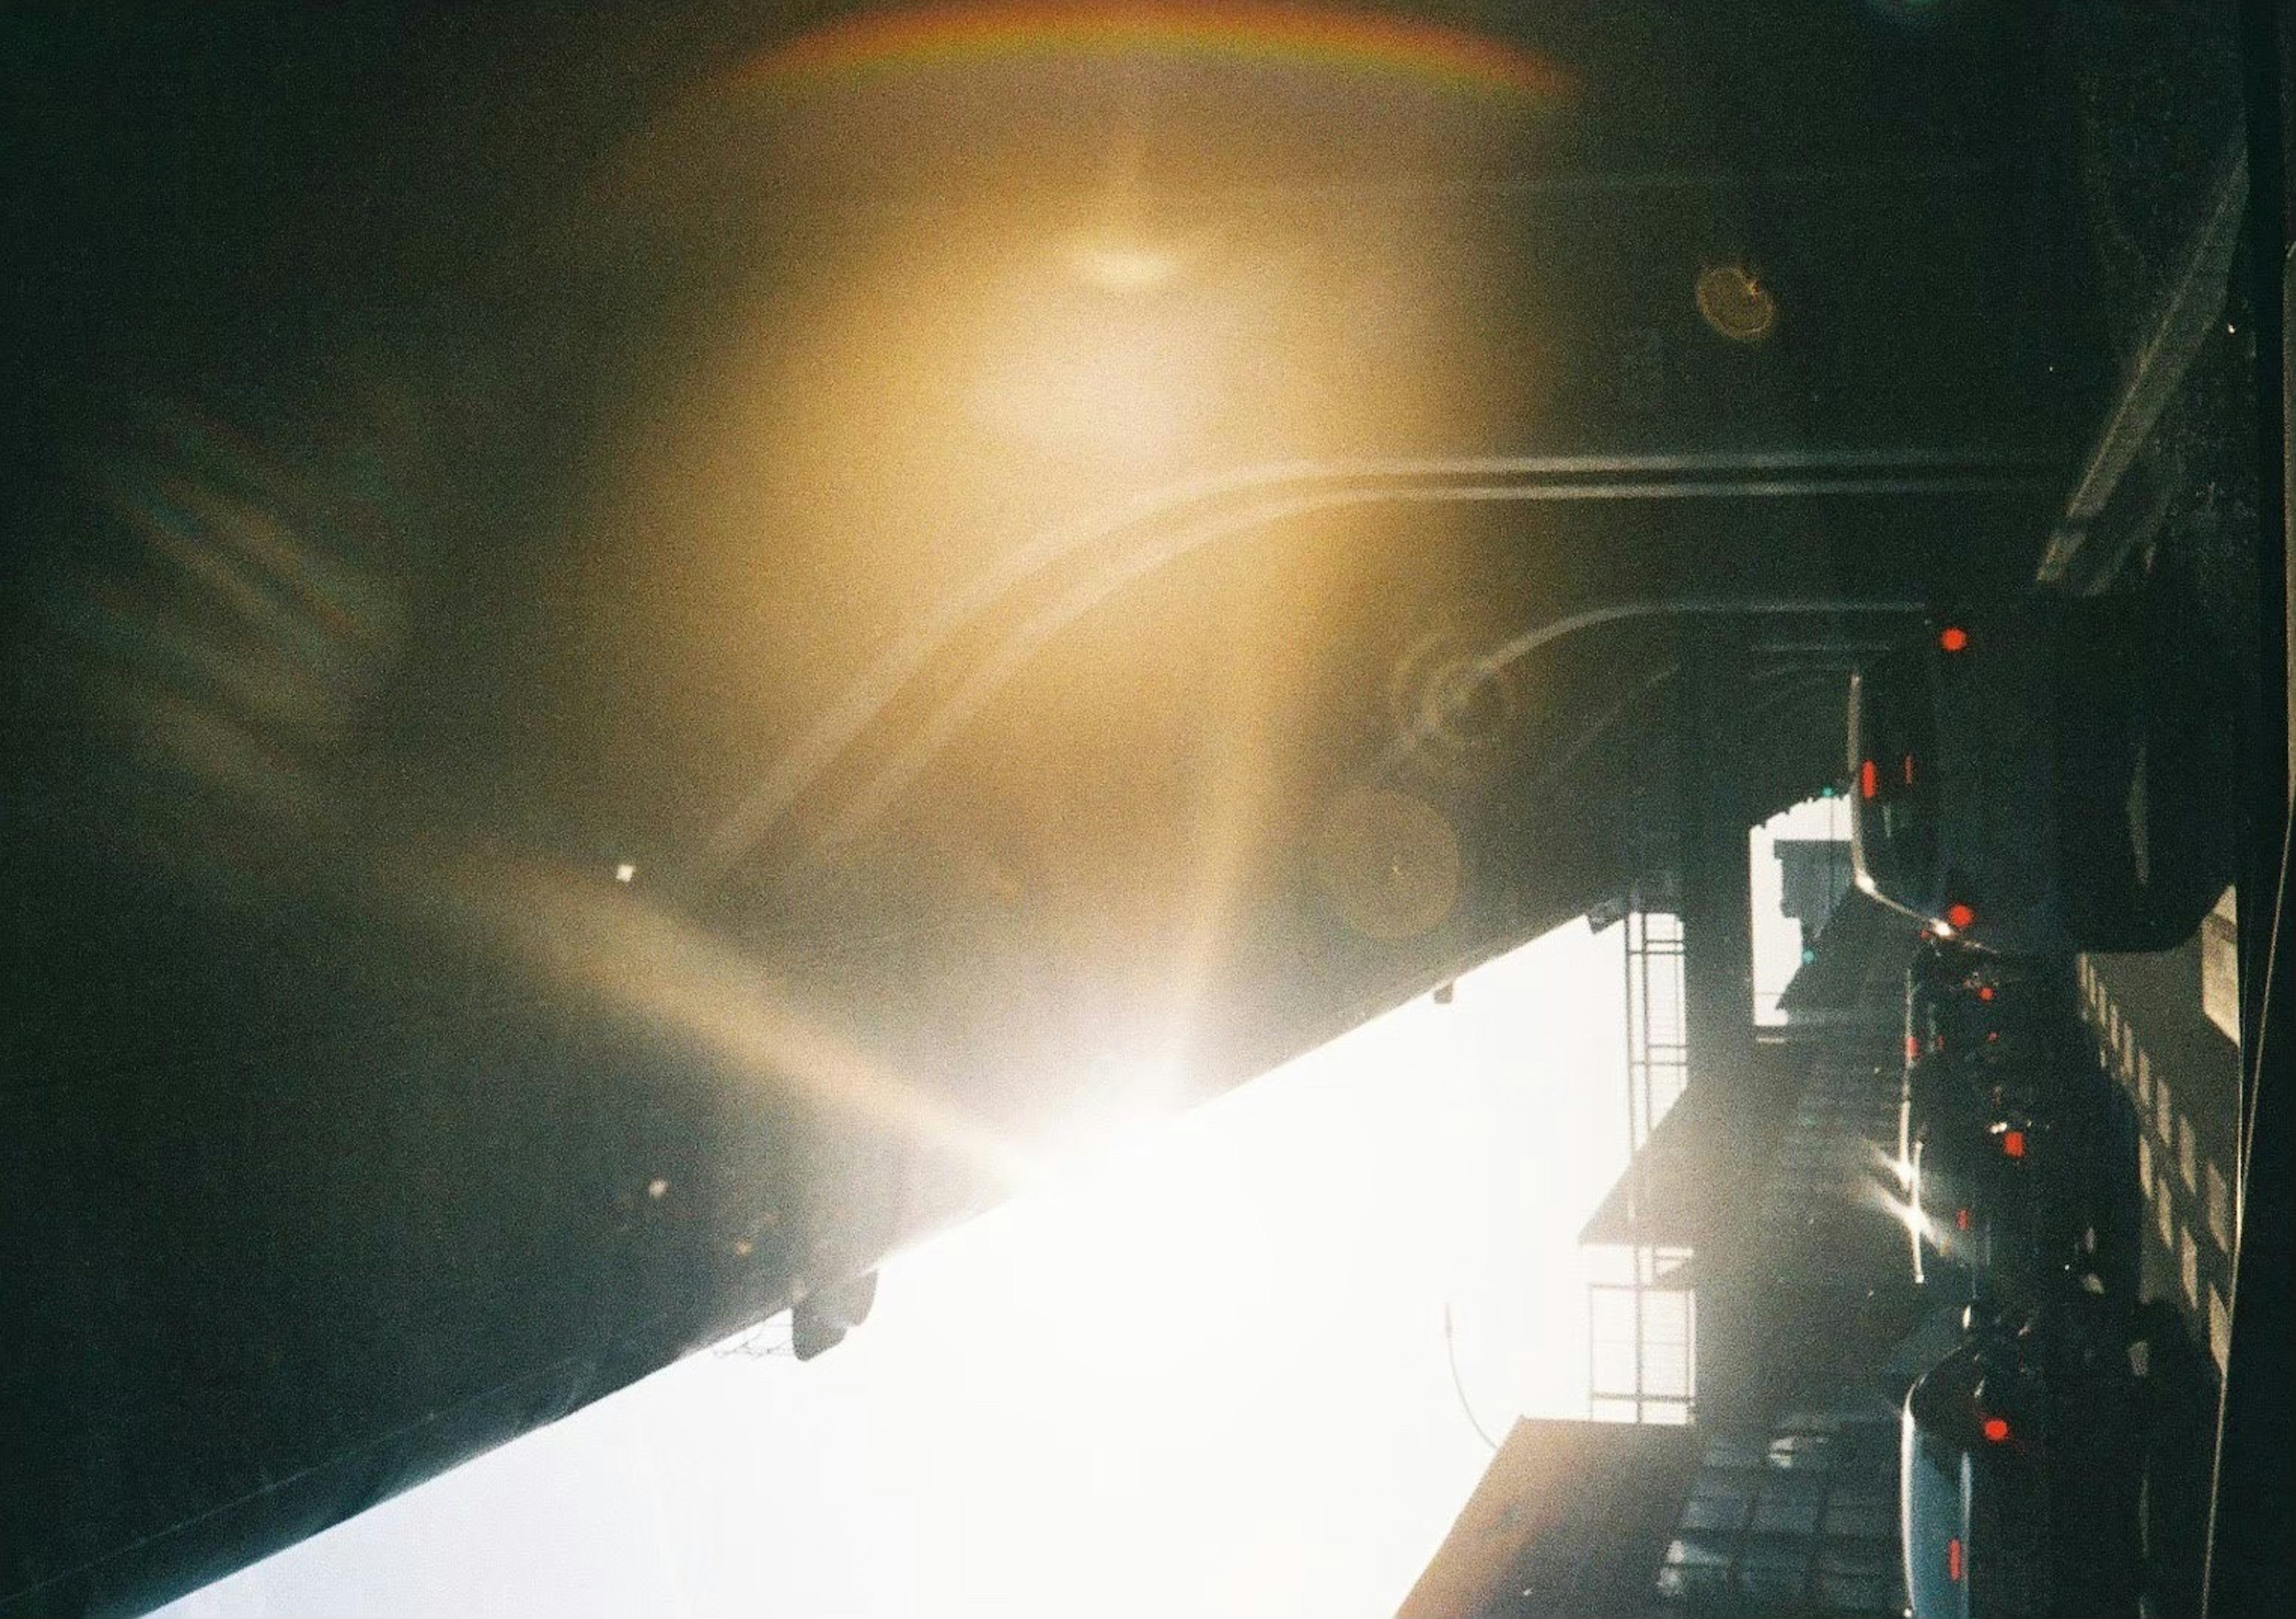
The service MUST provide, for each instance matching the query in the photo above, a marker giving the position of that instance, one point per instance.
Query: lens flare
(880, 44)
(1734, 303)
(1124, 266)
(1905, 1209)
(696, 991)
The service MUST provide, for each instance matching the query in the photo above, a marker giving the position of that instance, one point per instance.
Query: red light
(1959, 914)
(1960, 1220)
(1997, 1429)
(1985, 991)
(1913, 1049)
(1992, 1036)
(2013, 1142)
(1869, 779)
(1909, 770)
(1953, 1558)
(1954, 638)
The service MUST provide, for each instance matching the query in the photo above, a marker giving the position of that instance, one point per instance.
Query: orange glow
(2013, 1142)
(954, 397)
(1734, 303)
(1280, 34)
(1909, 770)
(1996, 1429)
(1959, 914)
(1953, 1558)
(1869, 779)
(1985, 991)
(1955, 639)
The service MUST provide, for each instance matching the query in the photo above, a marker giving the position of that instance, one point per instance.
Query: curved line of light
(797, 769)
(965, 704)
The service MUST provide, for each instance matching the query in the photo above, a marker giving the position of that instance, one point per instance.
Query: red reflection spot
(1869, 780)
(1953, 1558)
(1959, 914)
(1913, 1049)
(2013, 1142)
(1909, 770)
(1954, 638)
(1996, 1429)
(1960, 1220)
(1985, 991)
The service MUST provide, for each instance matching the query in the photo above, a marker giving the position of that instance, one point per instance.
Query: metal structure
(1642, 1315)
(1643, 1365)
(1658, 1040)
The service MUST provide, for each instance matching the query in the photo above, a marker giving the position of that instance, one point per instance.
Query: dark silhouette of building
(1560, 1524)
(1814, 874)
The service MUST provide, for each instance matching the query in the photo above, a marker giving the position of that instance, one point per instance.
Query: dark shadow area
(2182, 1391)
(2173, 1444)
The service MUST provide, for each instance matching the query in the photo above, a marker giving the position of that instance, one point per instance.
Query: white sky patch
(1778, 939)
(1204, 1373)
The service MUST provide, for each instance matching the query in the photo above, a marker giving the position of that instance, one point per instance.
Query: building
(1752, 1304)
(1814, 875)
(1557, 1525)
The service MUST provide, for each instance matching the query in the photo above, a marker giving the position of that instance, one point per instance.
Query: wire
(1451, 1359)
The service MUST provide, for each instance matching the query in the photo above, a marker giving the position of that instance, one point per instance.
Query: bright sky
(1202, 1375)
(1777, 938)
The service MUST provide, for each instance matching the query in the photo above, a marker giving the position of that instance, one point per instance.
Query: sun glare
(1267, 1279)
(1124, 266)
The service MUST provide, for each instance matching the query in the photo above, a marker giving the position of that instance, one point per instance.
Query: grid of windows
(1804, 1520)
(1642, 1327)
(1806, 1524)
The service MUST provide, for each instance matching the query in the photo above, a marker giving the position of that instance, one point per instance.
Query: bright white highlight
(1199, 1371)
